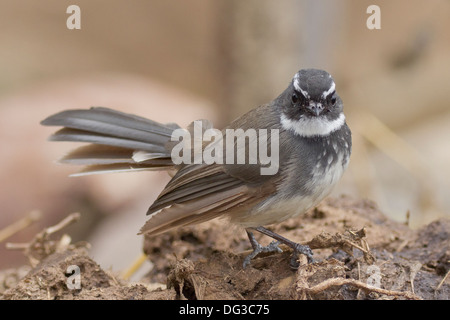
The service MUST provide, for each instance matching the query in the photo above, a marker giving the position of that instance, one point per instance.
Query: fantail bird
(309, 139)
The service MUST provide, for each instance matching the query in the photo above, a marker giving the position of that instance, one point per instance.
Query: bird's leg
(298, 248)
(257, 248)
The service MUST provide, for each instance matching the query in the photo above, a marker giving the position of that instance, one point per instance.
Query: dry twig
(41, 246)
(327, 284)
(442, 282)
(351, 239)
(19, 225)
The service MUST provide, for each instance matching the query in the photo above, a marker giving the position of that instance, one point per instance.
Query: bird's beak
(315, 108)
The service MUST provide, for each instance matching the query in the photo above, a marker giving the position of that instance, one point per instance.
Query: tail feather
(119, 141)
(98, 154)
(68, 134)
(120, 167)
(112, 123)
(92, 119)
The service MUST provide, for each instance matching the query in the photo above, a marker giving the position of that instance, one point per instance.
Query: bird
(309, 139)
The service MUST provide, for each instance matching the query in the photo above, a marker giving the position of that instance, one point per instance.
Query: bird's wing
(200, 192)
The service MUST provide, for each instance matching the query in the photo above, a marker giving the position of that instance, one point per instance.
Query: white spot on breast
(323, 181)
(330, 159)
(335, 147)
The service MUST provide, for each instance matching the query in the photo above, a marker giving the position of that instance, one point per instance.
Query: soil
(359, 254)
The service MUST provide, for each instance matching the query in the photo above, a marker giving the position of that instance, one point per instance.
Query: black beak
(315, 108)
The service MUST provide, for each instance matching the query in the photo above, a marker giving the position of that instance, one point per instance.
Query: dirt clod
(205, 262)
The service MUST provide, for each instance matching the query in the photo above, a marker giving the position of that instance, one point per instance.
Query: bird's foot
(258, 248)
(273, 247)
(300, 249)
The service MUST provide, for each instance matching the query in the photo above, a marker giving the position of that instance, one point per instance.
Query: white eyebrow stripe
(332, 88)
(297, 86)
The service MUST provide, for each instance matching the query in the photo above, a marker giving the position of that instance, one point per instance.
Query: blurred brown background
(183, 60)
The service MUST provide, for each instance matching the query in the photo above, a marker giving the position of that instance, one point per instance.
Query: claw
(257, 248)
(300, 249)
(273, 246)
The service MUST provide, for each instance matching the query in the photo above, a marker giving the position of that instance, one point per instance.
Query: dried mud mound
(359, 253)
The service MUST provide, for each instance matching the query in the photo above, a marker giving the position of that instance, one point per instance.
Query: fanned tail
(118, 141)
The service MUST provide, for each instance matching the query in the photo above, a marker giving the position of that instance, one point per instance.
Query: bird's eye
(294, 98)
(333, 101)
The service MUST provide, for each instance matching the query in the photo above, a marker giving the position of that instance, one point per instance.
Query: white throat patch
(315, 126)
